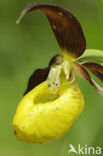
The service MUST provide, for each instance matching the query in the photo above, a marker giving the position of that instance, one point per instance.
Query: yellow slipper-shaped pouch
(42, 116)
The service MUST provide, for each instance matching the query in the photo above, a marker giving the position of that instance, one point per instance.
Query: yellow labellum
(42, 116)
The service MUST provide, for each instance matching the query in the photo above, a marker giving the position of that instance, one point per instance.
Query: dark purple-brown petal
(36, 78)
(40, 75)
(65, 26)
(97, 74)
(95, 68)
(84, 74)
(55, 60)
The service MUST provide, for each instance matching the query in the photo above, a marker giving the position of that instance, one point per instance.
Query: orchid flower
(53, 100)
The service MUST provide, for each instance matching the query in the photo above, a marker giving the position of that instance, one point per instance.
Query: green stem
(100, 5)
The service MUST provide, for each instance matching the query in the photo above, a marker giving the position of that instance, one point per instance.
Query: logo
(85, 149)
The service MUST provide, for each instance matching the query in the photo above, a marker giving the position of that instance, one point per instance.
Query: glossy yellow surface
(42, 116)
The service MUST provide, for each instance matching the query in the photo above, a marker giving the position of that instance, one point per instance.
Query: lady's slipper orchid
(53, 100)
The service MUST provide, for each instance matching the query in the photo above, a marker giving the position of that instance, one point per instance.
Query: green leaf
(100, 7)
(92, 55)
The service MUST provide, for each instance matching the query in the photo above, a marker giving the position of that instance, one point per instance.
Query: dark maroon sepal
(65, 26)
